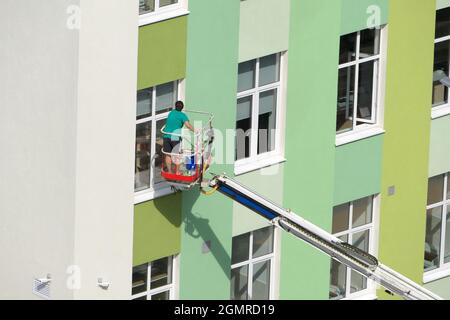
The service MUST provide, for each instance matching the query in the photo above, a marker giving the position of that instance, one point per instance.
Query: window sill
(363, 296)
(441, 111)
(349, 137)
(437, 274)
(253, 165)
(150, 18)
(151, 194)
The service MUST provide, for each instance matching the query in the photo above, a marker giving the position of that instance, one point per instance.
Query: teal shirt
(174, 123)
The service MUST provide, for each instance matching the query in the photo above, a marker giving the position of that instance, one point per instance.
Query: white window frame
(255, 161)
(370, 292)
(443, 270)
(172, 287)
(162, 188)
(252, 261)
(440, 110)
(375, 125)
(164, 13)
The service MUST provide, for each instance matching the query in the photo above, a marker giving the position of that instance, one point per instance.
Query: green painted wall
(440, 146)
(440, 287)
(266, 182)
(406, 143)
(162, 52)
(442, 4)
(355, 14)
(358, 170)
(212, 60)
(156, 229)
(310, 139)
(264, 28)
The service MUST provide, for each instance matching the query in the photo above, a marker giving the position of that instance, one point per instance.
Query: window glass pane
(347, 48)
(366, 89)
(240, 248)
(161, 273)
(447, 237)
(440, 70)
(435, 189)
(261, 281)
(159, 158)
(338, 280)
(144, 103)
(345, 102)
(267, 121)
(143, 150)
(433, 238)
(163, 3)
(448, 186)
(341, 216)
(139, 283)
(362, 212)
(243, 126)
(268, 70)
(246, 75)
(370, 43)
(146, 6)
(361, 240)
(262, 242)
(161, 296)
(165, 97)
(442, 23)
(141, 298)
(239, 283)
(357, 282)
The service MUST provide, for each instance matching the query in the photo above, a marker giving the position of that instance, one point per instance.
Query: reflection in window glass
(347, 50)
(338, 280)
(440, 70)
(369, 45)
(269, 71)
(362, 211)
(139, 283)
(433, 238)
(165, 97)
(267, 121)
(161, 273)
(146, 6)
(163, 3)
(161, 296)
(143, 153)
(239, 283)
(240, 248)
(243, 126)
(341, 216)
(365, 90)
(261, 281)
(442, 23)
(262, 242)
(358, 282)
(159, 156)
(346, 97)
(246, 75)
(144, 103)
(435, 189)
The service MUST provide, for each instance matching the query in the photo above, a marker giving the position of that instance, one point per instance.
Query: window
(437, 235)
(359, 64)
(153, 106)
(353, 223)
(441, 61)
(154, 280)
(258, 109)
(252, 264)
(156, 10)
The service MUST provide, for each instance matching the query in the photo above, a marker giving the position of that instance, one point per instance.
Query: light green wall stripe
(357, 13)
(162, 52)
(212, 60)
(156, 229)
(264, 28)
(440, 146)
(406, 143)
(310, 138)
(358, 170)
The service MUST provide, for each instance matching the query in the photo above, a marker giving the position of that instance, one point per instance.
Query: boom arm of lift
(356, 259)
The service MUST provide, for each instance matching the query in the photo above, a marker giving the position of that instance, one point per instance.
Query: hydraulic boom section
(356, 259)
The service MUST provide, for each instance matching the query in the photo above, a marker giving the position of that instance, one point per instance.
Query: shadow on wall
(199, 228)
(170, 208)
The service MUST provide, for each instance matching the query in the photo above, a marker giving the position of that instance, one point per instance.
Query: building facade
(334, 109)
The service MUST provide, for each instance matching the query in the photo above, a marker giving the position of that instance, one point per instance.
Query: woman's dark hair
(179, 105)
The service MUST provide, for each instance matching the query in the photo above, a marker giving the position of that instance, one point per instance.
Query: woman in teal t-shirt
(175, 122)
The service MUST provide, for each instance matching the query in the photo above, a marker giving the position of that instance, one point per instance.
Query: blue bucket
(190, 163)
